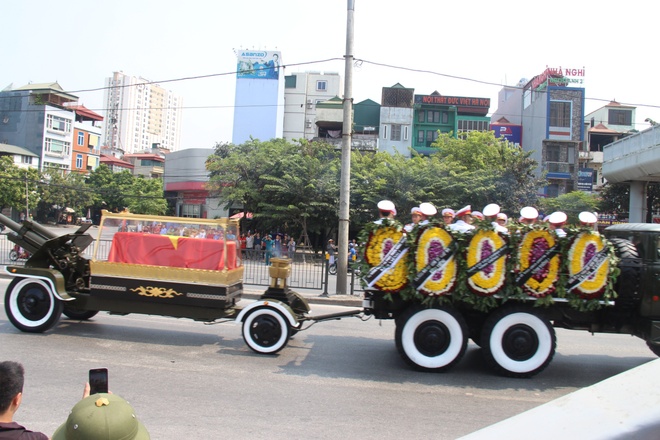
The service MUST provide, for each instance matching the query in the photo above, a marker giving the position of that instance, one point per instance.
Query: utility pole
(27, 196)
(345, 182)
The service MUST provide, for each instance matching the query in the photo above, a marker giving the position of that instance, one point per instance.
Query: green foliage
(146, 197)
(572, 204)
(13, 180)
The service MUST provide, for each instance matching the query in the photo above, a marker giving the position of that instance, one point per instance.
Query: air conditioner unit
(308, 123)
(310, 103)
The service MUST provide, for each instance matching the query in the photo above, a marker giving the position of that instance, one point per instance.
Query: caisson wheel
(266, 330)
(78, 314)
(517, 342)
(431, 339)
(31, 306)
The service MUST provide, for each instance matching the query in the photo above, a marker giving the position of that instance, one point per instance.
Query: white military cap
(557, 218)
(529, 213)
(387, 205)
(588, 218)
(428, 209)
(491, 210)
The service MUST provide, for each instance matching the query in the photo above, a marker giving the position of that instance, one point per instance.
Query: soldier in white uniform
(556, 221)
(427, 210)
(416, 215)
(528, 215)
(464, 216)
(448, 216)
(386, 209)
(491, 211)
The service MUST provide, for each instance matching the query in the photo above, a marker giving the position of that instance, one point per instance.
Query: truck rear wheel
(518, 342)
(266, 330)
(431, 339)
(31, 306)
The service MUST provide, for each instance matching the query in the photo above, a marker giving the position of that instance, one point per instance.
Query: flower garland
(434, 244)
(490, 279)
(536, 245)
(381, 239)
(588, 280)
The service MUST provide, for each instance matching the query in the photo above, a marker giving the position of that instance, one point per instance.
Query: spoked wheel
(31, 306)
(266, 330)
(78, 314)
(431, 339)
(332, 269)
(518, 342)
(13, 255)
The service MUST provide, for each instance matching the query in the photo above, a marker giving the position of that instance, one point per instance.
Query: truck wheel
(13, 255)
(518, 342)
(31, 306)
(265, 330)
(431, 339)
(78, 314)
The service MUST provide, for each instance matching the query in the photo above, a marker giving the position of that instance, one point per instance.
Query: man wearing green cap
(102, 416)
(12, 377)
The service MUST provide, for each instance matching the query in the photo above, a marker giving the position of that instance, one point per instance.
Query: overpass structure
(636, 160)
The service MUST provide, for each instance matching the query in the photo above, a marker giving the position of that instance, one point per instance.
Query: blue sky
(484, 43)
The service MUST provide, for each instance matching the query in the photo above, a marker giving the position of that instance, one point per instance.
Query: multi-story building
(437, 113)
(36, 117)
(603, 126)
(146, 164)
(396, 120)
(302, 91)
(141, 115)
(22, 157)
(86, 139)
(552, 120)
(259, 99)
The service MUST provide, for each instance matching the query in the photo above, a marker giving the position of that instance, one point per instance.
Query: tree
(146, 197)
(13, 180)
(572, 204)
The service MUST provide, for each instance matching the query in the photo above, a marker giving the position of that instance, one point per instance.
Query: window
(396, 132)
(429, 136)
(56, 123)
(445, 117)
(552, 153)
(429, 116)
(405, 133)
(420, 136)
(321, 85)
(57, 147)
(619, 117)
(420, 116)
(81, 138)
(79, 161)
(560, 114)
(436, 117)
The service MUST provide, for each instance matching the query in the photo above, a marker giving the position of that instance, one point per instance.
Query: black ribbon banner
(589, 269)
(526, 274)
(437, 263)
(491, 259)
(388, 262)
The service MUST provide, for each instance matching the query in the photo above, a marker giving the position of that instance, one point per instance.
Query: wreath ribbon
(438, 263)
(526, 274)
(491, 259)
(389, 261)
(588, 270)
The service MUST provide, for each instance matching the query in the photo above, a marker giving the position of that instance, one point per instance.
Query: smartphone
(98, 380)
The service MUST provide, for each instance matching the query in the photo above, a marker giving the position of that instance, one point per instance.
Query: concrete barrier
(625, 406)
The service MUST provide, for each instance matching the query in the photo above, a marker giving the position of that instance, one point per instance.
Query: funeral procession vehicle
(508, 292)
(168, 266)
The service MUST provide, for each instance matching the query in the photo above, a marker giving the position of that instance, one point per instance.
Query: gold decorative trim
(158, 292)
(166, 273)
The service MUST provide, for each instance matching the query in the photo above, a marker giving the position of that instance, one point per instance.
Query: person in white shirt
(556, 222)
(464, 218)
(416, 216)
(427, 210)
(448, 216)
(491, 211)
(386, 209)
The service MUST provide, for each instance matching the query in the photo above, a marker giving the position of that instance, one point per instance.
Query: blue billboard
(512, 133)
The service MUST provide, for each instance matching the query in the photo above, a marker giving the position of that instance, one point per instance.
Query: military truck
(600, 283)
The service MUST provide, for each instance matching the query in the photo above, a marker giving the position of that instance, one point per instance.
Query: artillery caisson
(168, 266)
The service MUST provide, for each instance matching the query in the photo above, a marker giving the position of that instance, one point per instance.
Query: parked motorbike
(18, 253)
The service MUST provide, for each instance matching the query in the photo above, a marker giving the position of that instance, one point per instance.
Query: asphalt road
(337, 379)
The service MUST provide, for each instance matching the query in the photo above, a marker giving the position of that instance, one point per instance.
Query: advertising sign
(512, 133)
(258, 64)
(585, 179)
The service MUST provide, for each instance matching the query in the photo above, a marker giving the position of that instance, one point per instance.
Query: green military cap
(102, 417)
